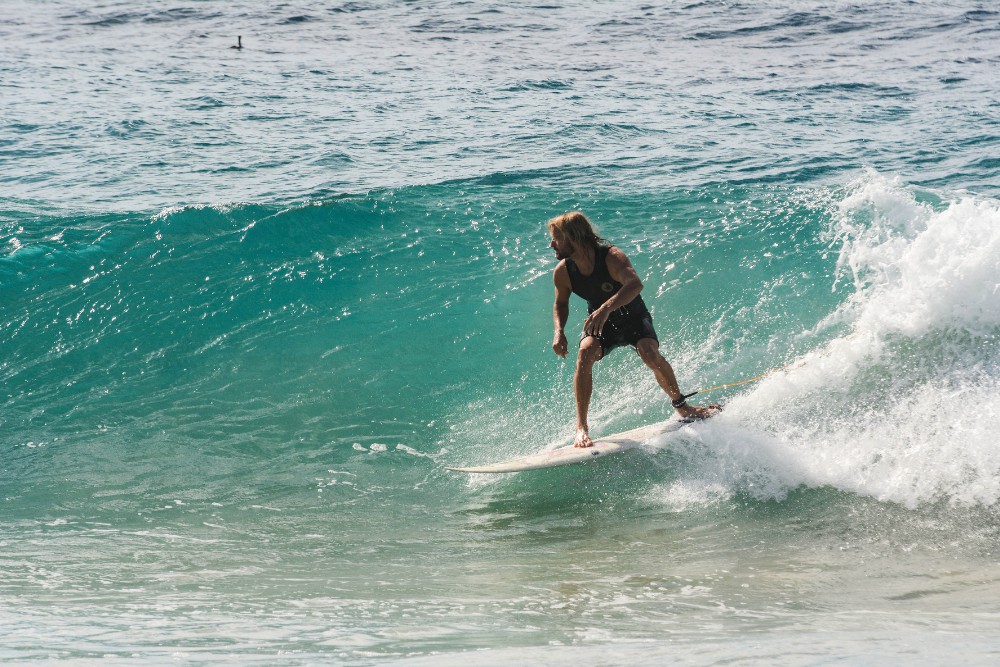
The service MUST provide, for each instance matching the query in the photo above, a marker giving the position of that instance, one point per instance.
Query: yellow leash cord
(733, 384)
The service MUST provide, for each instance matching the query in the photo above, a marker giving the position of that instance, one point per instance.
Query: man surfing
(602, 275)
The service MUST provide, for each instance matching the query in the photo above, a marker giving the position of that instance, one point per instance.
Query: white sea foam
(905, 406)
(917, 268)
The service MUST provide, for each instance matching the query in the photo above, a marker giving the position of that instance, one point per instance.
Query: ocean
(254, 301)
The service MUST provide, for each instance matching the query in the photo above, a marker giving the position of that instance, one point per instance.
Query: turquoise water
(254, 301)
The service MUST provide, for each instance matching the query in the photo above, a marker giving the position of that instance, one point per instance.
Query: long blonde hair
(577, 229)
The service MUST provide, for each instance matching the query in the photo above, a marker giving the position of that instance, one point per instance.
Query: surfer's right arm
(560, 310)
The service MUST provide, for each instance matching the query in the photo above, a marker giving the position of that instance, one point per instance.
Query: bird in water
(239, 42)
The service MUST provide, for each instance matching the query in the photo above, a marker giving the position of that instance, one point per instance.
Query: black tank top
(599, 286)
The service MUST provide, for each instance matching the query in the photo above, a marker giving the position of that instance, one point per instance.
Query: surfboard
(606, 446)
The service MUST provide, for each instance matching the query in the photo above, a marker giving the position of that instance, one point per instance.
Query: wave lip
(915, 267)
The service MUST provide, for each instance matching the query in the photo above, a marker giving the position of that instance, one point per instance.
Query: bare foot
(582, 439)
(698, 412)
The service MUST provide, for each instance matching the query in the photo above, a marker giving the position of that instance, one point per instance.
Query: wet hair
(577, 229)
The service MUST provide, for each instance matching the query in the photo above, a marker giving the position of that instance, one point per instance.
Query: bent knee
(590, 351)
(649, 350)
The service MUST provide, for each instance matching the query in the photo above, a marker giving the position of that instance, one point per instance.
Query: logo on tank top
(607, 287)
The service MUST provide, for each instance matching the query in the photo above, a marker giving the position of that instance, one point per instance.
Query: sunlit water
(254, 301)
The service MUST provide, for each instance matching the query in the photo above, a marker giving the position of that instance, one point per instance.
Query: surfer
(601, 274)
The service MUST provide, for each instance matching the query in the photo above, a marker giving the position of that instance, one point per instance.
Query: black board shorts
(620, 331)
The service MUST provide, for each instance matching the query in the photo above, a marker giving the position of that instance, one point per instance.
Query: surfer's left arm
(622, 271)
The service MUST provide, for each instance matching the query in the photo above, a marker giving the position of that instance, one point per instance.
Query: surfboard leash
(684, 397)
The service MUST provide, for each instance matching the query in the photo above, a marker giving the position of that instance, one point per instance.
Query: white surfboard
(612, 444)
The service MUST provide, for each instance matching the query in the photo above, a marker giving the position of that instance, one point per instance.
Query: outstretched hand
(559, 344)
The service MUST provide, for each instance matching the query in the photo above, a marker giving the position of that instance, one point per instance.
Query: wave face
(211, 397)
(254, 301)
